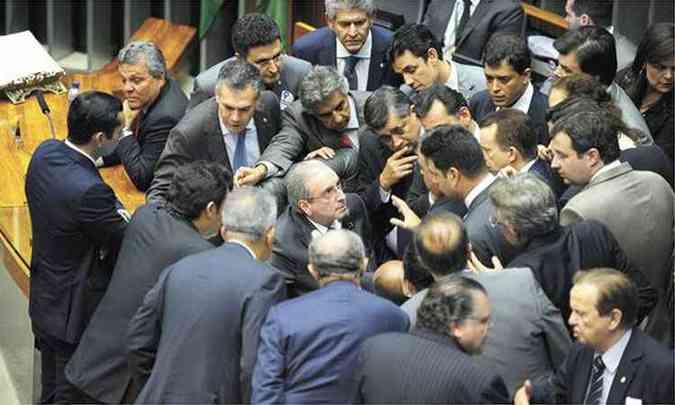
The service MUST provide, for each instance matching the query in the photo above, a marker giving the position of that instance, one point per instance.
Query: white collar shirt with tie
(362, 65)
(252, 147)
(611, 358)
(451, 30)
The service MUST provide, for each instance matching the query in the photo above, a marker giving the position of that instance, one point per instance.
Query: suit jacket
(489, 17)
(481, 105)
(302, 133)
(140, 153)
(310, 356)
(293, 235)
(470, 80)
(543, 169)
(630, 114)
(77, 230)
(319, 48)
(99, 365)
(195, 337)
(293, 70)
(557, 255)
(199, 137)
(528, 337)
(625, 51)
(423, 368)
(645, 372)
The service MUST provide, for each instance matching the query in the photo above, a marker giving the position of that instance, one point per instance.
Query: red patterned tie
(345, 141)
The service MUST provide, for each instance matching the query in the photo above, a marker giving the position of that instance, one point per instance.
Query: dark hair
(657, 45)
(454, 146)
(441, 243)
(385, 100)
(252, 30)
(92, 112)
(414, 271)
(195, 185)
(451, 99)
(590, 130)
(514, 129)
(586, 103)
(583, 85)
(449, 300)
(595, 51)
(508, 48)
(416, 38)
(600, 11)
(616, 291)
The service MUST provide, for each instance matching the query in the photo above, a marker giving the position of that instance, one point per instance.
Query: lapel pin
(265, 120)
(623, 379)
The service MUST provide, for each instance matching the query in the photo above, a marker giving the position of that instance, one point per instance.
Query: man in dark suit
(613, 361)
(77, 226)
(316, 204)
(464, 30)
(192, 213)
(323, 124)
(507, 69)
(531, 340)
(153, 105)
(526, 214)
(310, 356)
(433, 364)
(195, 337)
(351, 44)
(510, 146)
(256, 39)
(233, 128)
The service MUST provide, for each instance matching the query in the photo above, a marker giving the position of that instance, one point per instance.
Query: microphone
(45, 110)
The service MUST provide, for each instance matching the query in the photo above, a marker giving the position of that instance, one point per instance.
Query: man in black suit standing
(77, 226)
(153, 105)
(351, 44)
(156, 238)
(465, 26)
(195, 337)
(233, 128)
(613, 362)
(316, 204)
(507, 71)
(433, 364)
(256, 39)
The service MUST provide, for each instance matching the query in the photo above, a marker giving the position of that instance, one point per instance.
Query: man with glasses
(256, 39)
(233, 128)
(316, 204)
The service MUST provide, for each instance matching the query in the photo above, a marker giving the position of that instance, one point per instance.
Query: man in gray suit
(636, 206)
(195, 337)
(233, 128)
(322, 124)
(256, 39)
(527, 334)
(418, 56)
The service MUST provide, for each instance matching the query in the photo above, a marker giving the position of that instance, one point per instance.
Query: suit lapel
(580, 380)
(626, 369)
(216, 144)
(327, 55)
(376, 68)
(480, 12)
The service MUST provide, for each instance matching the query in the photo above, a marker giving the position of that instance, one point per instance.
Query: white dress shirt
(611, 358)
(74, 147)
(352, 128)
(362, 65)
(252, 146)
(451, 30)
(484, 183)
(523, 103)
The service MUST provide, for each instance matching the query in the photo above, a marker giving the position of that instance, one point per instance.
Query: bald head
(337, 252)
(442, 244)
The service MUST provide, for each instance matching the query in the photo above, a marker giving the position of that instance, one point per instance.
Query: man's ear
(269, 236)
(211, 210)
(615, 318)
(527, 75)
(223, 232)
(408, 288)
(594, 156)
(584, 20)
(432, 55)
(513, 154)
(464, 115)
(313, 272)
(304, 208)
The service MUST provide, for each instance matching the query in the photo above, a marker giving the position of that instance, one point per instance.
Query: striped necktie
(594, 396)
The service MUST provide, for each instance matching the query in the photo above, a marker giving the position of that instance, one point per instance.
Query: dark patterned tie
(595, 391)
(239, 159)
(463, 20)
(350, 72)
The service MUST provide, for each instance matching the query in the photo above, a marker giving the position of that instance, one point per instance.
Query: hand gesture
(476, 266)
(397, 167)
(323, 153)
(507, 172)
(249, 176)
(410, 219)
(128, 114)
(523, 394)
(544, 153)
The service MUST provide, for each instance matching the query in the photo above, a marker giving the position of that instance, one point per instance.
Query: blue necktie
(240, 152)
(350, 72)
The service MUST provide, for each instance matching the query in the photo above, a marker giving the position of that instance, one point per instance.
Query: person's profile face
(588, 326)
(139, 87)
(496, 158)
(351, 27)
(504, 84)
(572, 167)
(267, 59)
(471, 332)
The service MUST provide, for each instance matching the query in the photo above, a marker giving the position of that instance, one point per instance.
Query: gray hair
(237, 74)
(337, 252)
(297, 180)
(381, 103)
(318, 86)
(249, 211)
(133, 53)
(527, 204)
(333, 6)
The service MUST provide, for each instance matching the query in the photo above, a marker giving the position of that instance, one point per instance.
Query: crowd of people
(382, 217)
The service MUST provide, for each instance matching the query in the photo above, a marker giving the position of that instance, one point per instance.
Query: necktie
(240, 152)
(350, 72)
(346, 141)
(136, 124)
(595, 391)
(463, 20)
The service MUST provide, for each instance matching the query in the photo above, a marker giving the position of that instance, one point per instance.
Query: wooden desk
(15, 228)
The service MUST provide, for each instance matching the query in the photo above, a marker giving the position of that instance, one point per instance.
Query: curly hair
(508, 48)
(252, 30)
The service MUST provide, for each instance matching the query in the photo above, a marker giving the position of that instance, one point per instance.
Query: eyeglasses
(329, 193)
(265, 62)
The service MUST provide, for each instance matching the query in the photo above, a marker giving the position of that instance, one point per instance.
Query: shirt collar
(484, 183)
(523, 103)
(527, 166)
(453, 80)
(612, 356)
(363, 53)
(74, 147)
(353, 116)
(605, 168)
(323, 229)
(248, 249)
